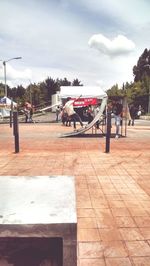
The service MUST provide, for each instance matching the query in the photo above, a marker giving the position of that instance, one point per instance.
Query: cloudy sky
(96, 41)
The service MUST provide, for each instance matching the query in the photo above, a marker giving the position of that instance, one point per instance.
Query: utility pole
(149, 96)
(4, 64)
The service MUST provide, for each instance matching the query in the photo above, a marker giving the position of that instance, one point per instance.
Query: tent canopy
(6, 101)
(85, 91)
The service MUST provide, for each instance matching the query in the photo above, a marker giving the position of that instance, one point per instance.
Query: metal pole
(4, 63)
(11, 113)
(16, 130)
(149, 98)
(108, 132)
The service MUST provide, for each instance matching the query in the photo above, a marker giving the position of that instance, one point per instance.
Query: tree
(143, 66)
(2, 90)
(76, 82)
(115, 91)
(64, 82)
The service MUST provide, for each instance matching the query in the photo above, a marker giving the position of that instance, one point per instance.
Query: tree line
(137, 92)
(37, 94)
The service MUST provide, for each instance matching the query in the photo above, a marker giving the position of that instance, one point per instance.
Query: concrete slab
(40, 206)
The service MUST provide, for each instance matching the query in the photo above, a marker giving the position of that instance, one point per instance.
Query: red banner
(83, 102)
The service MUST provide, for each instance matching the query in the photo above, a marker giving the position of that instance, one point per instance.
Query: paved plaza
(112, 190)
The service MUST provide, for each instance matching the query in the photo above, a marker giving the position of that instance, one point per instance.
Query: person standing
(90, 114)
(71, 112)
(117, 111)
(133, 112)
(58, 110)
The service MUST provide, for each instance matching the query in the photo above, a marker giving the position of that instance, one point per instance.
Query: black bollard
(11, 113)
(16, 131)
(108, 132)
(10, 120)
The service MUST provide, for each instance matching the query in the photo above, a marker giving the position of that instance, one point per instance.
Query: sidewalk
(113, 190)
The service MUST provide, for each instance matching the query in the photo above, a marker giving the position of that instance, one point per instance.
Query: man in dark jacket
(133, 113)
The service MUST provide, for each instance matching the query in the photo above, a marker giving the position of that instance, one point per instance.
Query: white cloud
(14, 76)
(52, 38)
(120, 45)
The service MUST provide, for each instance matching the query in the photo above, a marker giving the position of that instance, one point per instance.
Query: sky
(96, 41)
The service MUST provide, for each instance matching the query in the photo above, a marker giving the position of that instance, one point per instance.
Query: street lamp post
(149, 98)
(4, 64)
(148, 108)
(148, 91)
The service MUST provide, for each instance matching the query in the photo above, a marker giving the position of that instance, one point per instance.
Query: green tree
(2, 90)
(115, 91)
(142, 68)
(65, 82)
(76, 82)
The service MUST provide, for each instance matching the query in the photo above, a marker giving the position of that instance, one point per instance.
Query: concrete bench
(38, 209)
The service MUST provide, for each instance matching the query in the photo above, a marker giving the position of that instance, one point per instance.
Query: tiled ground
(113, 190)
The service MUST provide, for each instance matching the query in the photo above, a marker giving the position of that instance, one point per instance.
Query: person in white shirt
(71, 112)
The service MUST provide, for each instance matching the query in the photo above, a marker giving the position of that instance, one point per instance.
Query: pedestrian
(96, 111)
(117, 111)
(139, 111)
(58, 110)
(71, 112)
(90, 114)
(133, 113)
(27, 114)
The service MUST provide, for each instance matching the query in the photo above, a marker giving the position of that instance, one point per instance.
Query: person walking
(71, 112)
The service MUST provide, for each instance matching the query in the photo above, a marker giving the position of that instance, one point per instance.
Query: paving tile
(85, 212)
(98, 203)
(104, 218)
(110, 234)
(125, 221)
(137, 211)
(114, 249)
(88, 235)
(116, 204)
(87, 222)
(122, 211)
(111, 191)
(90, 250)
(142, 221)
(103, 213)
(112, 197)
(131, 234)
(133, 203)
(138, 248)
(95, 192)
(118, 262)
(141, 261)
(145, 232)
(92, 262)
(84, 204)
(145, 204)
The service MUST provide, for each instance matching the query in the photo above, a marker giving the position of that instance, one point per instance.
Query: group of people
(132, 113)
(68, 113)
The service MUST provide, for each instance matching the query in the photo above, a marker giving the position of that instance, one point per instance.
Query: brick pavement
(113, 190)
